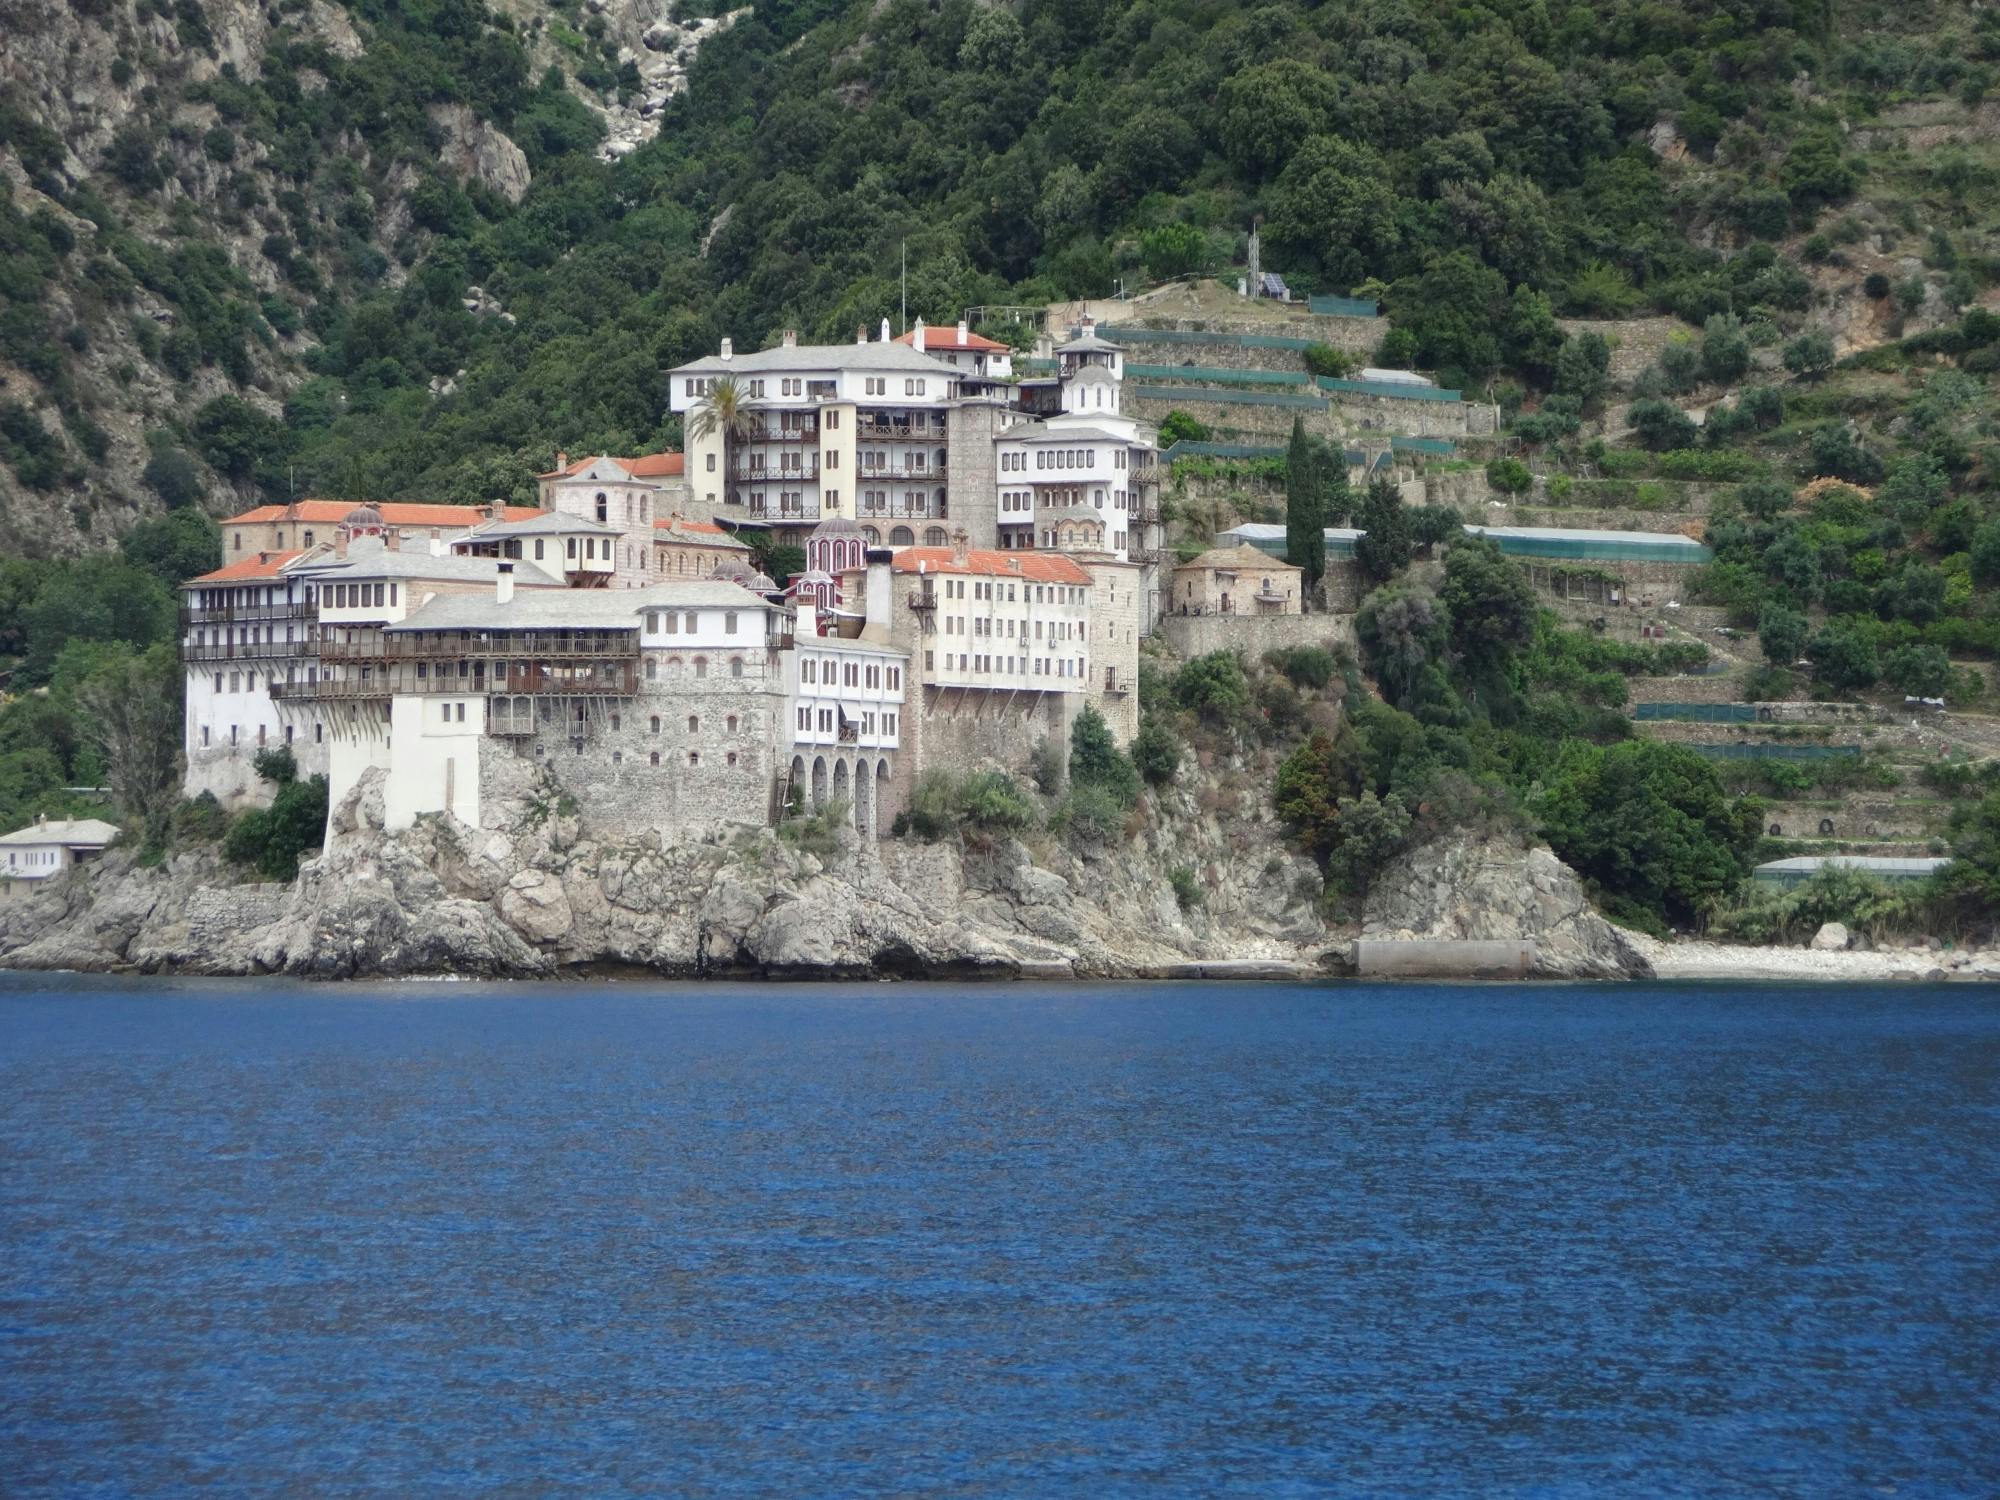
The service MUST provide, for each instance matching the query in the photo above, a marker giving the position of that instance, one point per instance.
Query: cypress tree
(1305, 509)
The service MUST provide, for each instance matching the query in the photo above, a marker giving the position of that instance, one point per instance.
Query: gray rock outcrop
(1494, 890)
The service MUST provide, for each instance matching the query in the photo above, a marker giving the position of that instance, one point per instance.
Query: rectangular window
(729, 622)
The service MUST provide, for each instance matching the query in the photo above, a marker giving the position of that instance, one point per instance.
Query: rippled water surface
(617, 1240)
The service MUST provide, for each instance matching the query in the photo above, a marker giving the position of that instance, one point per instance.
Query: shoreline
(1673, 963)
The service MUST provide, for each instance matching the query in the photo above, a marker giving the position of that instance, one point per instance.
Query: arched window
(603, 506)
(701, 666)
(902, 536)
(674, 665)
(652, 669)
(656, 757)
(935, 537)
(871, 536)
(655, 724)
(694, 723)
(730, 723)
(735, 666)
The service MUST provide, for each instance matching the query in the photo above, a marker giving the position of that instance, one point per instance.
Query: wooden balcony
(246, 614)
(192, 651)
(530, 679)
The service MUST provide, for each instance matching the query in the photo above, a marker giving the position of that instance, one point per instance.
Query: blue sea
(640, 1239)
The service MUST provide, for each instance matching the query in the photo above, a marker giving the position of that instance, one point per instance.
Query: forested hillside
(408, 250)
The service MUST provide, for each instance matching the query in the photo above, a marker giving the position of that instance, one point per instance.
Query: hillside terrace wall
(1246, 421)
(1253, 635)
(1351, 335)
(1407, 418)
(1635, 342)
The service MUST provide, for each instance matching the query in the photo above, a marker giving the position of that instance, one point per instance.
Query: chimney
(917, 341)
(392, 539)
(875, 620)
(963, 330)
(496, 510)
(340, 542)
(1014, 565)
(437, 542)
(885, 330)
(562, 459)
(1089, 323)
(729, 349)
(960, 548)
(860, 333)
(805, 617)
(790, 338)
(503, 583)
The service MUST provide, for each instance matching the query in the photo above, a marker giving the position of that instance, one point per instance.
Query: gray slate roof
(577, 609)
(79, 832)
(368, 558)
(549, 523)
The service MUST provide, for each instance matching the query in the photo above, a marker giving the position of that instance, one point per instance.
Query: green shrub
(992, 802)
(271, 839)
(1307, 666)
(1509, 476)
(1091, 817)
(1187, 889)
(1095, 761)
(1156, 752)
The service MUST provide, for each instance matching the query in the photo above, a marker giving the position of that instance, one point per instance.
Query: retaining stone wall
(1635, 342)
(1239, 421)
(1405, 418)
(1253, 635)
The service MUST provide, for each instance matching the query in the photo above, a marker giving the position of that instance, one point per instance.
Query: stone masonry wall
(1253, 635)
(1231, 421)
(613, 776)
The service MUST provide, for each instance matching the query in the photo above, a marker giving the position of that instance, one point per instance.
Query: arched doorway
(840, 781)
(796, 787)
(864, 800)
(880, 799)
(819, 782)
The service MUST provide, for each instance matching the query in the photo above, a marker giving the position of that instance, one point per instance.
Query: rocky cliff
(540, 896)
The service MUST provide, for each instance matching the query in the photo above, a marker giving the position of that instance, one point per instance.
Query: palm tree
(726, 412)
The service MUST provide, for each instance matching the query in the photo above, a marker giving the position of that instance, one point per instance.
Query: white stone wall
(434, 759)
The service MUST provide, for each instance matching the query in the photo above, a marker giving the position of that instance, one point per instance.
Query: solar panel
(1271, 284)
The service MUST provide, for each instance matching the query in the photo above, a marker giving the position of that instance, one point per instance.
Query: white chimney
(805, 618)
(885, 330)
(860, 333)
(917, 341)
(729, 349)
(791, 338)
(437, 542)
(503, 583)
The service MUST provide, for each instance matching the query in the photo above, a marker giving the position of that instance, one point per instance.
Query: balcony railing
(762, 433)
(899, 432)
(245, 650)
(535, 679)
(747, 473)
(774, 511)
(245, 614)
(908, 510)
(483, 646)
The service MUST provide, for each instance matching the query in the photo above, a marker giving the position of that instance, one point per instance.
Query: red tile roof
(682, 523)
(394, 513)
(1040, 567)
(936, 339)
(256, 565)
(646, 466)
